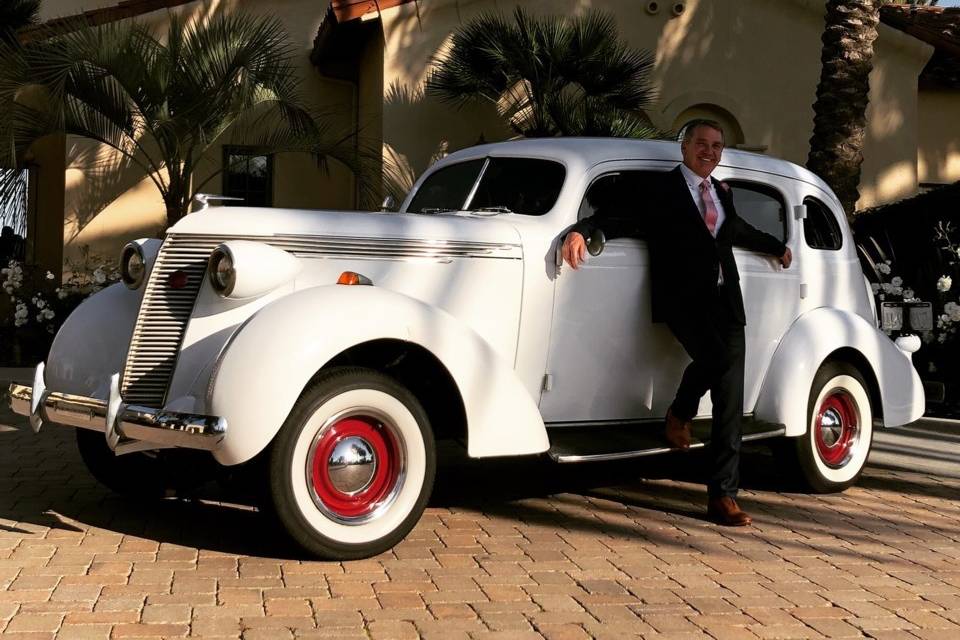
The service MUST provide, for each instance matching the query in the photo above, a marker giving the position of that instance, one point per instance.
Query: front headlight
(223, 274)
(133, 265)
(244, 269)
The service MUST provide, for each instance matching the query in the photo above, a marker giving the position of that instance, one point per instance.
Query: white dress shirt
(693, 183)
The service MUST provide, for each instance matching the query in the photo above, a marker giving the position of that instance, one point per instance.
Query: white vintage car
(336, 348)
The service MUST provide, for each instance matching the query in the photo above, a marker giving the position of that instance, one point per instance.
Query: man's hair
(700, 122)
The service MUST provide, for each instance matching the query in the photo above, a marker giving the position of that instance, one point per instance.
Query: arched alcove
(732, 132)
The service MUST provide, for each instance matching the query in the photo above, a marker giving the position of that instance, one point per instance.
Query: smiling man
(691, 226)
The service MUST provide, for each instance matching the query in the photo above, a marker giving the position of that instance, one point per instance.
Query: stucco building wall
(938, 155)
(752, 64)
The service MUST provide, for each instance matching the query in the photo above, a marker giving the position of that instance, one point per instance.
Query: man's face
(702, 152)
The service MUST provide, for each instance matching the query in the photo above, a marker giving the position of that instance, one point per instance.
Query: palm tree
(549, 76)
(14, 15)
(166, 105)
(836, 148)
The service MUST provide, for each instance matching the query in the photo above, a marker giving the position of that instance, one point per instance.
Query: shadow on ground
(43, 484)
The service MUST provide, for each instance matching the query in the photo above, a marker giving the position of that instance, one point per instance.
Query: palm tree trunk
(839, 123)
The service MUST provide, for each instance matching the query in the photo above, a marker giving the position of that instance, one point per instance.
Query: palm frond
(549, 75)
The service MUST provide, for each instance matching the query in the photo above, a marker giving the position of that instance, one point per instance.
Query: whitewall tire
(834, 451)
(353, 465)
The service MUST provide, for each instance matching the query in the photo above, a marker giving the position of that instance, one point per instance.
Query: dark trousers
(715, 342)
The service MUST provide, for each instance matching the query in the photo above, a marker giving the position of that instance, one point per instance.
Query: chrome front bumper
(118, 422)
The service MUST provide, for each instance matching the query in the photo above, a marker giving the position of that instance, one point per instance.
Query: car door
(607, 361)
(771, 294)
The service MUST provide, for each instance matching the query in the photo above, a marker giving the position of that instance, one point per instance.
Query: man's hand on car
(786, 258)
(574, 249)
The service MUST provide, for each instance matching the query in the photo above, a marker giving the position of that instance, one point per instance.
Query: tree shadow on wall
(420, 129)
(102, 176)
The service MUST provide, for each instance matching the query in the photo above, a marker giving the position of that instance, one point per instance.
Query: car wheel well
(421, 372)
(856, 359)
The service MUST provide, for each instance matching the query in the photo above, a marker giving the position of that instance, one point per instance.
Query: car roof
(584, 153)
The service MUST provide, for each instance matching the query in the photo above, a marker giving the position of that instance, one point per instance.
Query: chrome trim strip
(163, 428)
(625, 455)
(476, 184)
(310, 246)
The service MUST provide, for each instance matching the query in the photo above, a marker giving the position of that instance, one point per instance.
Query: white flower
(99, 276)
(48, 313)
(897, 291)
(8, 289)
(944, 283)
(908, 294)
(896, 281)
(50, 275)
(883, 268)
(61, 294)
(39, 302)
(875, 287)
(39, 317)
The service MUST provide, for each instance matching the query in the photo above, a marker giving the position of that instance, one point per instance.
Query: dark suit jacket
(685, 259)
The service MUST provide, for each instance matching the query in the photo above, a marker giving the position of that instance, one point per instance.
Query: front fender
(274, 355)
(809, 342)
(92, 343)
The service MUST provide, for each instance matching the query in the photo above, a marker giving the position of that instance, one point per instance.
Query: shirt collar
(693, 180)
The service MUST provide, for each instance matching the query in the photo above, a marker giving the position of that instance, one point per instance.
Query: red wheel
(834, 450)
(355, 466)
(836, 428)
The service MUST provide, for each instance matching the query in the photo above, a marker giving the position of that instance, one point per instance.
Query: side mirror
(597, 242)
(389, 204)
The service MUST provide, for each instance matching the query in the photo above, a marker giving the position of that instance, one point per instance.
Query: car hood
(271, 222)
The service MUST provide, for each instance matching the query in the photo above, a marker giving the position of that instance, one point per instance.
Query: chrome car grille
(163, 318)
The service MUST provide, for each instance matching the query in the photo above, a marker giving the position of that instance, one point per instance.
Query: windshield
(507, 185)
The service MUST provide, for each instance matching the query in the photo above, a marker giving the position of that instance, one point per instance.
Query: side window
(616, 194)
(247, 174)
(820, 227)
(761, 206)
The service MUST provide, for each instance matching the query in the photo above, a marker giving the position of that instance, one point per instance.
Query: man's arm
(749, 237)
(574, 249)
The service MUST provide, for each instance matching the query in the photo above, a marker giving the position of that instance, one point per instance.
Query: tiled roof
(93, 17)
(937, 26)
(346, 10)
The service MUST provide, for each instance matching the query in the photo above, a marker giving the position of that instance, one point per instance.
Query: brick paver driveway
(512, 549)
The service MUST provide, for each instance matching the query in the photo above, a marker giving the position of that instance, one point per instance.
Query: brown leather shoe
(725, 511)
(677, 432)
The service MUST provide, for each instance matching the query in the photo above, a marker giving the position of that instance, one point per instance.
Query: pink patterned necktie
(710, 214)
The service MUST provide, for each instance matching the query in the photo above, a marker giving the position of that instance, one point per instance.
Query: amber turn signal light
(352, 277)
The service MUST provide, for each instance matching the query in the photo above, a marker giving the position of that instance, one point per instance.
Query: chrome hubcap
(352, 465)
(831, 426)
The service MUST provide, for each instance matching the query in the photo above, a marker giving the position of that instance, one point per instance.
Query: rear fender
(273, 356)
(812, 340)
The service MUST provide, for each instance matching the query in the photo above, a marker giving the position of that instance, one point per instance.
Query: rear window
(507, 185)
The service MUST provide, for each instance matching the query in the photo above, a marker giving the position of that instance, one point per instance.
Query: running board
(598, 442)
